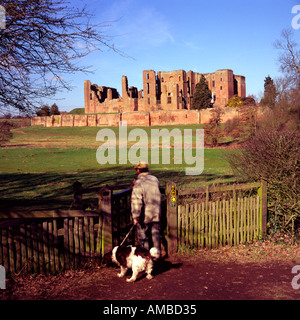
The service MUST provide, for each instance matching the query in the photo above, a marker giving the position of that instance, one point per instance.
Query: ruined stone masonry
(165, 99)
(172, 90)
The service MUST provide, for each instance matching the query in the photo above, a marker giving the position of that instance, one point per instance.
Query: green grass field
(39, 165)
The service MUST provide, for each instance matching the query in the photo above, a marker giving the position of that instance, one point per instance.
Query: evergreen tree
(44, 111)
(270, 93)
(54, 110)
(202, 97)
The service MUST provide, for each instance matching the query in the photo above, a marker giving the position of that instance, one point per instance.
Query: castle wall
(108, 119)
(87, 96)
(229, 113)
(240, 89)
(67, 120)
(139, 118)
(92, 120)
(174, 117)
(38, 121)
(174, 84)
(149, 89)
(170, 96)
(80, 120)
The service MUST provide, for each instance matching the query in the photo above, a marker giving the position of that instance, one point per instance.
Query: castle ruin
(172, 90)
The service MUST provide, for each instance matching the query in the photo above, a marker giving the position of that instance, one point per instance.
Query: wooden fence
(50, 241)
(227, 215)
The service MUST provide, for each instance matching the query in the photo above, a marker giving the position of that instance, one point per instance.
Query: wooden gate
(214, 216)
(115, 208)
(121, 217)
(227, 215)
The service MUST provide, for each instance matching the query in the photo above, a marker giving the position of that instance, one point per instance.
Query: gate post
(171, 198)
(77, 192)
(106, 211)
(262, 192)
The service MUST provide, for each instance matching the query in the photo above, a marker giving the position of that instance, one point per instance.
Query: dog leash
(127, 235)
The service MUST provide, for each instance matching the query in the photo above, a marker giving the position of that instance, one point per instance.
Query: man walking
(146, 207)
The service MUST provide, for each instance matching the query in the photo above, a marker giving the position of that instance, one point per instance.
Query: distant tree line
(45, 110)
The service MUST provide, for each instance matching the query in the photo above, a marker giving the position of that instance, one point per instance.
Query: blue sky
(197, 35)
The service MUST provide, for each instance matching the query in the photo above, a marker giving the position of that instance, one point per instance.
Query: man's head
(141, 167)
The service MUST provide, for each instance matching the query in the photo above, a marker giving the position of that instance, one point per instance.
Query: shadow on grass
(48, 191)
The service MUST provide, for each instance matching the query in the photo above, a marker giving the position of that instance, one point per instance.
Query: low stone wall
(174, 117)
(137, 118)
(229, 113)
(67, 120)
(38, 121)
(108, 119)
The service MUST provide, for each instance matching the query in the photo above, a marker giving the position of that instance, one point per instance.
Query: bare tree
(290, 57)
(42, 41)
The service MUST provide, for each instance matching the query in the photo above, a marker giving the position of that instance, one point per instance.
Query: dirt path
(180, 278)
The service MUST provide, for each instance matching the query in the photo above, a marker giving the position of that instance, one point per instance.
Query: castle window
(148, 100)
(213, 97)
(179, 78)
(162, 79)
(148, 88)
(91, 96)
(169, 100)
(221, 79)
(147, 75)
(221, 88)
(214, 83)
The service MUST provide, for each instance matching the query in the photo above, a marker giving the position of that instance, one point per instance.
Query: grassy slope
(41, 164)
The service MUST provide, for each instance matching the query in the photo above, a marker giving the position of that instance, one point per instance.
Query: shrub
(273, 156)
(5, 133)
(234, 102)
(213, 131)
(232, 128)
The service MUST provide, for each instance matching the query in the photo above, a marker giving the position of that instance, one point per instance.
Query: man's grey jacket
(146, 199)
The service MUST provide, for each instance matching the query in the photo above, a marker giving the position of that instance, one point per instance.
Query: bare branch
(42, 41)
(290, 57)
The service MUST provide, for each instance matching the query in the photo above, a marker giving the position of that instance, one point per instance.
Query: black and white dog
(136, 258)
